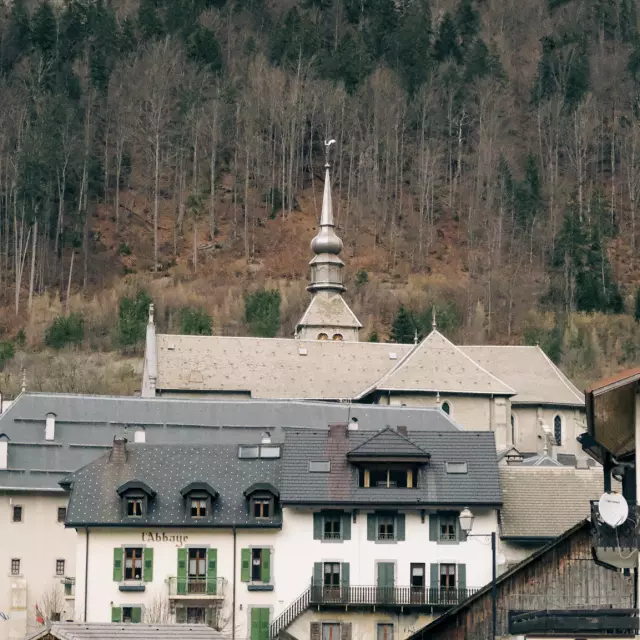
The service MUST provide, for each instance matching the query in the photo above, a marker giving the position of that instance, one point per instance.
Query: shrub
(362, 277)
(65, 330)
(7, 351)
(195, 322)
(132, 318)
(262, 313)
(124, 249)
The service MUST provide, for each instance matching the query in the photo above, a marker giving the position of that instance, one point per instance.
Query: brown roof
(543, 502)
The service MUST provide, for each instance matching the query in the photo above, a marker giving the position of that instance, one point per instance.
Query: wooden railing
(297, 608)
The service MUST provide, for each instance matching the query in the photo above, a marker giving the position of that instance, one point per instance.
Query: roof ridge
(567, 383)
(395, 433)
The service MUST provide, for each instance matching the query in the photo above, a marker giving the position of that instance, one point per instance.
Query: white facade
(45, 555)
(293, 552)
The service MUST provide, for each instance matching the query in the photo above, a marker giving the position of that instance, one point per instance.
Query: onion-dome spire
(327, 241)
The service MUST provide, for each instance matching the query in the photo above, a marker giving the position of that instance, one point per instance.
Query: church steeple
(328, 315)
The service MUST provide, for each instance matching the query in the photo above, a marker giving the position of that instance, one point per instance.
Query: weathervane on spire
(434, 325)
(327, 146)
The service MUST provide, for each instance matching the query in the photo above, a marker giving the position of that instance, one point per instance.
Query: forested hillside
(487, 162)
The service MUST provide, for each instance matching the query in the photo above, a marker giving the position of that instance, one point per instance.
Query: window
(15, 566)
(197, 582)
(391, 477)
(17, 513)
(337, 336)
(385, 631)
(447, 528)
(127, 614)
(330, 631)
(417, 576)
(331, 577)
(447, 576)
(456, 467)
(332, 529)
(319, 466)
(557, 429)
(133, 563)
(262, 507)
(68, 588)
(269, 452)
(59, 567)
(248, 452)
(198, 508)
(251, 452)
(62, 514)
(446, 407)
(386, 528)
(323, 336)
(54, 616)
(195, 615)
(256, 565)
(134, 507)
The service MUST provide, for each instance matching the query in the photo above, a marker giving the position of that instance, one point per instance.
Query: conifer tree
(403, 330)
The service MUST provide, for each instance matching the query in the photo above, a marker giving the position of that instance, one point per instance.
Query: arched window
(513, 429)
(446, 407)
(323, 336)
(557, 429)
(337, 336)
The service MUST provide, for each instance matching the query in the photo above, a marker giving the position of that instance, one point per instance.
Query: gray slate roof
(388, 442)
(435, 487)
(86, 426)
(167, 469)
(545, 502)
(104, 631)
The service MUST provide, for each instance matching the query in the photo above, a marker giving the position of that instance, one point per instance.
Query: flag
(39, 616)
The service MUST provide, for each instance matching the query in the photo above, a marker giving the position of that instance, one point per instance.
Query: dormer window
(262, 498)
(135, 496)
(199, 498)
(388, 477)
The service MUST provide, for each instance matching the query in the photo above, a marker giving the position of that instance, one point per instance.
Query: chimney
(4, 451)
(402, 430)
(266, 438)
(140, 436)
(353, 425)
(50, 426)
(118, 451)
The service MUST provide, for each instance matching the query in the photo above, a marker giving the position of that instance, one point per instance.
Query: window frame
(258, 566)
(17, 509)
(449, 412)
(332, 565)
(332, 518)
(134, 558)
(331, 625)
(392, 521)
(380, 626)
(262, 498)
(134, 497)
(558, 442)
(446, 575)
(60, 566)
(203, 502)
(15, 567)
(421, 566)
(62, 511)
(411, 474)
(442, 519)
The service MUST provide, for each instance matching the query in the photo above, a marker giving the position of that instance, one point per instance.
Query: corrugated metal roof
(104, 631)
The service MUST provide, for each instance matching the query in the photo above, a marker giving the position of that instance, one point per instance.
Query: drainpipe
(86, 574)
(233, 604)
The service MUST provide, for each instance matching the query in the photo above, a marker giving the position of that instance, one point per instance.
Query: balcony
(200, 588)
(387, 597)
(615, 547)
(571, 622)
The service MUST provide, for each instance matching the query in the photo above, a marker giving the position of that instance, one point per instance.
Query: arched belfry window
(323, 336)
(446, 407)
(337, 336)
(557, 429)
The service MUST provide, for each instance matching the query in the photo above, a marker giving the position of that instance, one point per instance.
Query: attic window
(456, 467)
(319, 466)
(248, 452)
(269, 452)
(251, 452)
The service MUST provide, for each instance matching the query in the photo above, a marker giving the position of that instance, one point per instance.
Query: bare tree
(159, 610)
(51, 603)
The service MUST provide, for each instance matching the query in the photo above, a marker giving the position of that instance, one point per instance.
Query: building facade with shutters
(342, 532)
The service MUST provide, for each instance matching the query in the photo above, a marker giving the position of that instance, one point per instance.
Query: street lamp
(466, 519)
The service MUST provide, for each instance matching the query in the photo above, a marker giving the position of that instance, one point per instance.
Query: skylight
(319, 466)
(456, 467)
(253, 451)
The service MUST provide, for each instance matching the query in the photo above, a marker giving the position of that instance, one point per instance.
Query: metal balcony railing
(390, 596)
(197, 587)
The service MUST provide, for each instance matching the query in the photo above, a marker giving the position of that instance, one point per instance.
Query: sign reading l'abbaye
(163, 536)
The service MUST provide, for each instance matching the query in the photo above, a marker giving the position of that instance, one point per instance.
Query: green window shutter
(147, 574)
(136, 614)
(462, 576)
(212, 570)
(401, 526)
(315, 631)
(181, 615)
(345, 631)
(181, 587)
(116, 614)
(433, 527)
(317, 574)
(245, 565)
(317, 526)
(117, 564)
(434, 576)
(371, 526)
(346, 526)
(265, 569)
(344, 575)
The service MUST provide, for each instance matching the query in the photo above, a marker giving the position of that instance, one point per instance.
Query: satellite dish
(613, 508)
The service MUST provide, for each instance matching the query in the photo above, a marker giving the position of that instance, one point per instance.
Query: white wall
(38, 541)
(528, 429)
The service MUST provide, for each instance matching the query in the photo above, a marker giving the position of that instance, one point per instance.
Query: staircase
(291, 613)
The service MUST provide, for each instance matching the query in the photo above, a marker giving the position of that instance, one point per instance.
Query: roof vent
(140, 436)
(302, 351)
(402, 430)
(266, 437)
(171, 346)
(353, 425)
(393, 355)
(50, 426)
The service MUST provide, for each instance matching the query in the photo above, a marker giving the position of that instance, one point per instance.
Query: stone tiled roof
(388, 443)
(528, 370)
(168, 469)
(480, 485)
(329, 310)
(545, 502)
(273, 367)
(105, 631)
(438, 365)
